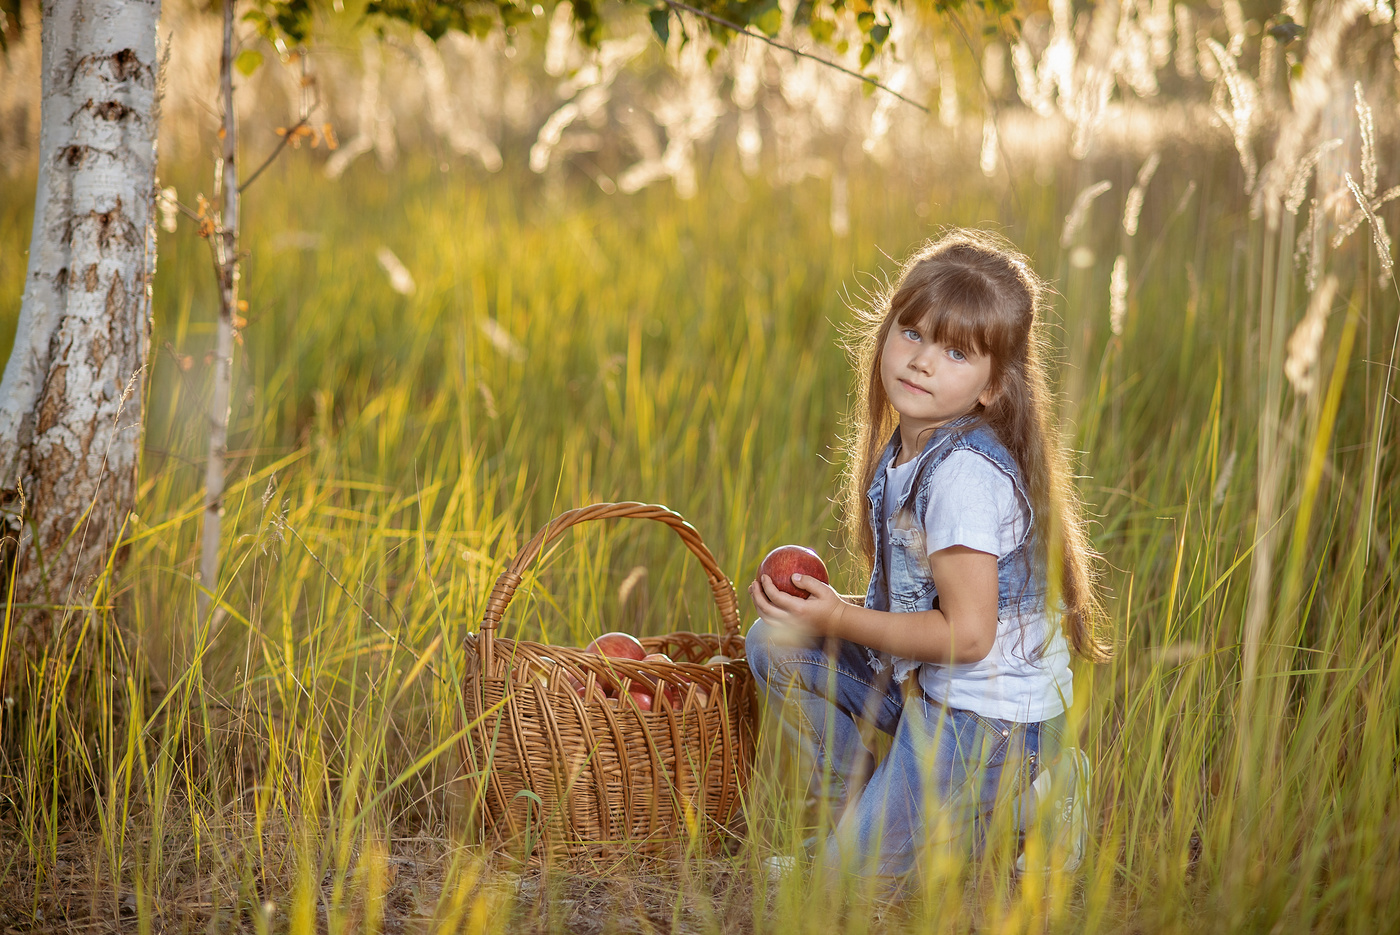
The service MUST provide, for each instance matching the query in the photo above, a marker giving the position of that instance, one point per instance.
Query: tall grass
(291, 763)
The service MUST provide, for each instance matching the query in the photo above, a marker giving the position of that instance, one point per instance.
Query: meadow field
(291, 764)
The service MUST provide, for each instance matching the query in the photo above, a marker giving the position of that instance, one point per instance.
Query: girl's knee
(758, 644)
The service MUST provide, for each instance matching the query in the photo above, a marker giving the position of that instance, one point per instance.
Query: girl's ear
(989, 393)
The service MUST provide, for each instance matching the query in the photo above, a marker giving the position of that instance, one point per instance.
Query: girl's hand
(819, 614)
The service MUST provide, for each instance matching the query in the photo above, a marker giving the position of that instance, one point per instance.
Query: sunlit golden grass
(291, 763)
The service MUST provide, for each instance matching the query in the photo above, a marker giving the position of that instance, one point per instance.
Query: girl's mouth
(914, 389)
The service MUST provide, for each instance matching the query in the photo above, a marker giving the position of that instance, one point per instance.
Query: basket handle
(509, 580)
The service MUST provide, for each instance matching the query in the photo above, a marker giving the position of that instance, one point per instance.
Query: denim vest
(907, 585)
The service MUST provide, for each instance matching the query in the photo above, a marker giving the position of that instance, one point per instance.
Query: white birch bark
(226, 267)
(71, 397)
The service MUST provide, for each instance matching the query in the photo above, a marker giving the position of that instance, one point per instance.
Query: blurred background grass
(292, 765)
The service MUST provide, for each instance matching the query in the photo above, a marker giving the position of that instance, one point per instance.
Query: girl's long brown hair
(975, 291)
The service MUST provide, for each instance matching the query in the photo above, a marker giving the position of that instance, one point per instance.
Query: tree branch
(282, 144)
(742, 30)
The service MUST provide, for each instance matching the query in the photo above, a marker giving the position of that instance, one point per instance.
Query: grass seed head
(1306, 341)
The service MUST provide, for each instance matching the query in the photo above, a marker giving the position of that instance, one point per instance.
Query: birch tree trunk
(226, 267)
(72, 393)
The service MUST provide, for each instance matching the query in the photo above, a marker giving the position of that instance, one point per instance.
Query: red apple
(618, 645)
(579, 686)
(672, 695)
(788, 560)
(640, 696)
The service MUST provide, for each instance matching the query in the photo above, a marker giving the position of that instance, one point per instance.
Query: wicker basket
(564, 775)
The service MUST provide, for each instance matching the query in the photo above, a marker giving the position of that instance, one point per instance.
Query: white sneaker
(779, 867)
(1061, 794)
(782, 866)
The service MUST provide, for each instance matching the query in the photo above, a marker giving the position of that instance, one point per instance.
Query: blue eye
(912, 335)
(956, 354)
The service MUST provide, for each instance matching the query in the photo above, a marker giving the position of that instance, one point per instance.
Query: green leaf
(867, 55)
(479, 25)
(711, 54)
(867, 88)
(821, 31)
(770, 20)
(247, 62)
(865, 20)
(879, 33)
(588, 23)
(513, 15)
(261, 23)
(293, 18)
(661, 23)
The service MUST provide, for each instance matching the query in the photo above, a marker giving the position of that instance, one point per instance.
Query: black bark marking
(108, 110)
(113, 228)
(122, 65)
(101, 343)
(52, 407)
(78, 154)
(116, 299)
(125, 64)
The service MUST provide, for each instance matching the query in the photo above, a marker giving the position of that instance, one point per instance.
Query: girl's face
(930, 383)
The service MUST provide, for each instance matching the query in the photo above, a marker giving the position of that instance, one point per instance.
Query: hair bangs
(961, 309)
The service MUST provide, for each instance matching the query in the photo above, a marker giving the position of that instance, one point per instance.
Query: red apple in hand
(788, 560)
(618, 645)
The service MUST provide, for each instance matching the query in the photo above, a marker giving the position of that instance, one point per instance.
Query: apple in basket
(618, 645)
(641, 696)
(579, 686)
(542, 674)
(576, 683)
(614, 645)
(788, 560)
(673, 695)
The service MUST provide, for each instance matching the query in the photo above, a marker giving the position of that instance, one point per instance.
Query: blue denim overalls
(946, 768)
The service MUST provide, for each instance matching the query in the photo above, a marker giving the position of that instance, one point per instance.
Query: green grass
(390, 458)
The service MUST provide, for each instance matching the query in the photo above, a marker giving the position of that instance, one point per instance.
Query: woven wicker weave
(561, 776)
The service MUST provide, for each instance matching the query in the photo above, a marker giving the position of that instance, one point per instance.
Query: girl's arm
(962, 630)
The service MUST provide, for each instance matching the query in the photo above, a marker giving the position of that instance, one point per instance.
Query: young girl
(959, 496)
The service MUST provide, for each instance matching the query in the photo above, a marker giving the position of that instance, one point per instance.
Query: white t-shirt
(973, 503)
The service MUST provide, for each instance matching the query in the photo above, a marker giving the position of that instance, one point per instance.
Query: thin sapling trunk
(225, 247)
